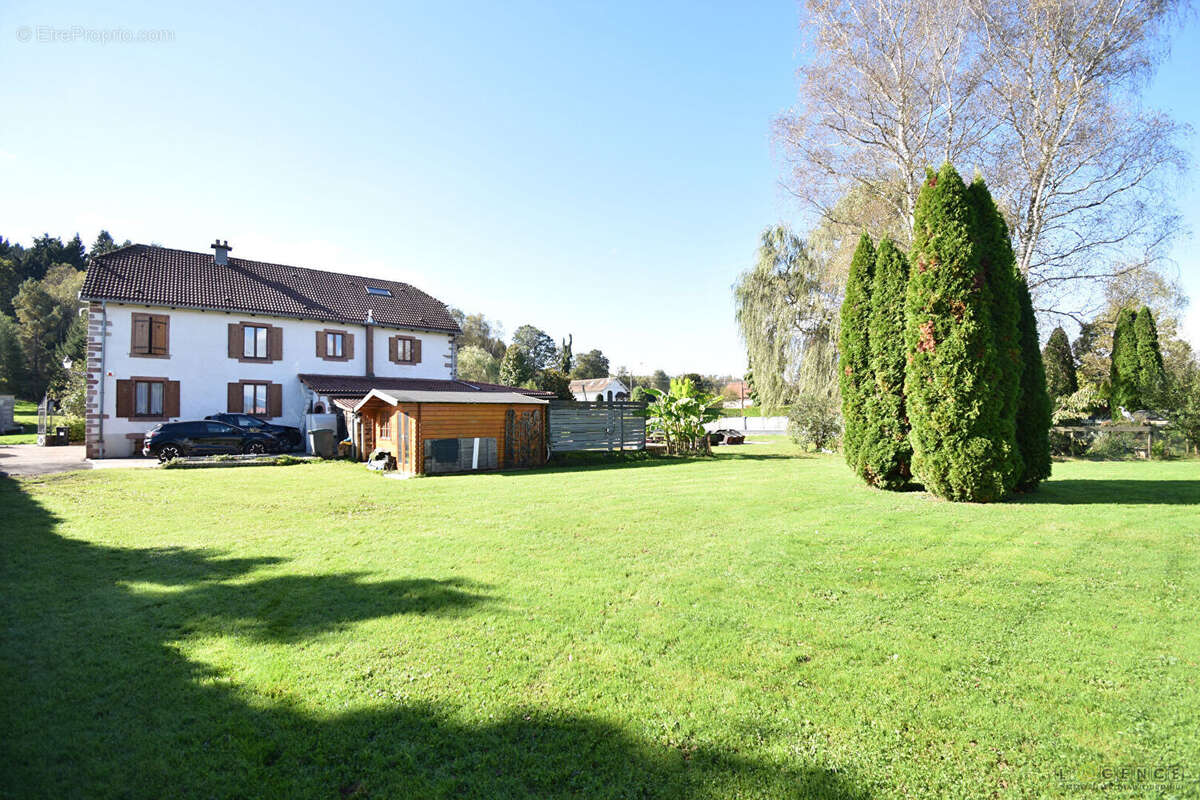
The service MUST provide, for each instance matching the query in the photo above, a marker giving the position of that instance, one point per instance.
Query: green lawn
(25, 413)
(756, 625)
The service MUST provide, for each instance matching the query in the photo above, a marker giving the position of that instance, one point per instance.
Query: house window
(254, 398)
(379, 291)
(148, 398)
(254, 341)
(335, 344)
(404, 349)
(150, 335)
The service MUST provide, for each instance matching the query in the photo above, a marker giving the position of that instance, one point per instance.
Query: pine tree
(999, 265)
(1059, 362)
(885, 454)
(1152, 379)
(1124, 391)
(1033, 409)
(854, 370)
(961, 448)
(515, 369)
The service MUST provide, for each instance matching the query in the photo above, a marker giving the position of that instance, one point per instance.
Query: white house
(599, 389)
(174, 334)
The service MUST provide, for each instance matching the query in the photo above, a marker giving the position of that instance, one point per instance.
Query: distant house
(737, 394)
(609, 388)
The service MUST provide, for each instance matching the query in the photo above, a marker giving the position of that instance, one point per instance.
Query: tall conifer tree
(854, 369)
(1033, 407)
(999, 266)
(962, 449)
(1059, 361)
(885, 454)
(1152, 378)
(1124, 389)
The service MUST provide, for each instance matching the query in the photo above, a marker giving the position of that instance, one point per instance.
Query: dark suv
(289, 438)
(205, 438)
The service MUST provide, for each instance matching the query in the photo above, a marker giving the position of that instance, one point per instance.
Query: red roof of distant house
(161, 276)
(358, 386)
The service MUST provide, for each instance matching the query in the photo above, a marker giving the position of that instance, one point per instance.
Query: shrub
(885, 454)
(962, 448)
(1113, 446)
(680, 415)
(854, 355)
(813, 421)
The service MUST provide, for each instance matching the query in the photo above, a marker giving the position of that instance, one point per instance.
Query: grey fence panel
(581, 425)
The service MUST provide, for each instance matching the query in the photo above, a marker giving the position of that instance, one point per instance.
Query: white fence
(750, 424)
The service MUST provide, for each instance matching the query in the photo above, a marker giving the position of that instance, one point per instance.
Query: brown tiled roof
(358, 386)
(590, 384)
(161, 276)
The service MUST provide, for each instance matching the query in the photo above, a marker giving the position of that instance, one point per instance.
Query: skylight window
(379, 291)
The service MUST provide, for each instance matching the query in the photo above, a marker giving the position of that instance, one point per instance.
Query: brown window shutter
(125, 399)
(141, 334)
(159, 333)
(235, 399)
(393, 348)
(274, 343)
(274, 400)
(348, 346)
(320, 344)
(416, 351)
(235, 340)
(171, 399)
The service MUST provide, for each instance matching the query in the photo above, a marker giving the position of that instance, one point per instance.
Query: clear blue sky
(601, 169)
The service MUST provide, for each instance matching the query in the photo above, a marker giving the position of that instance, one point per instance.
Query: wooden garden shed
(432, 432)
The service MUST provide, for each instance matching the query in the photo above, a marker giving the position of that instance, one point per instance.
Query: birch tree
(1042, 97)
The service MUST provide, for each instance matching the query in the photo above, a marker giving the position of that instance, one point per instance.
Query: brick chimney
(220, 252)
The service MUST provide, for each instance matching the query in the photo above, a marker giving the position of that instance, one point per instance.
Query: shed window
(148, 398)
(254, 398)
(385, 427)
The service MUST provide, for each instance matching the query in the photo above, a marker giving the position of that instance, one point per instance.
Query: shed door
(524, 438)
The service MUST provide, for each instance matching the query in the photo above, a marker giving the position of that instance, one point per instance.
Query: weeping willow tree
(787, 309)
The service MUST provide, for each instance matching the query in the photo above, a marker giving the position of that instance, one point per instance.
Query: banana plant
(680, 414)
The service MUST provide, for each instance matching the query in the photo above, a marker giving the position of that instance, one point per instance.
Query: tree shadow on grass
(100, 702)
(1112, 492)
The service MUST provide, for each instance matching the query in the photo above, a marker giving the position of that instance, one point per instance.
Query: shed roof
(397, 396)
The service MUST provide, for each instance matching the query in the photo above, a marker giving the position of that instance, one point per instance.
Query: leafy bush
(813, 422)
(75, 427)
(680, 414)
(1113, 445)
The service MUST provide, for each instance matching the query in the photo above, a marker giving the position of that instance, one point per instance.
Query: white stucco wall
(614, 385)
(199, 360)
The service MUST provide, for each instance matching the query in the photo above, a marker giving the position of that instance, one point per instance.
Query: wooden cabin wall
(464, 420)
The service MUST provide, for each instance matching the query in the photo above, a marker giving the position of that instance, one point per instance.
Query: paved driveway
(29, 459)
